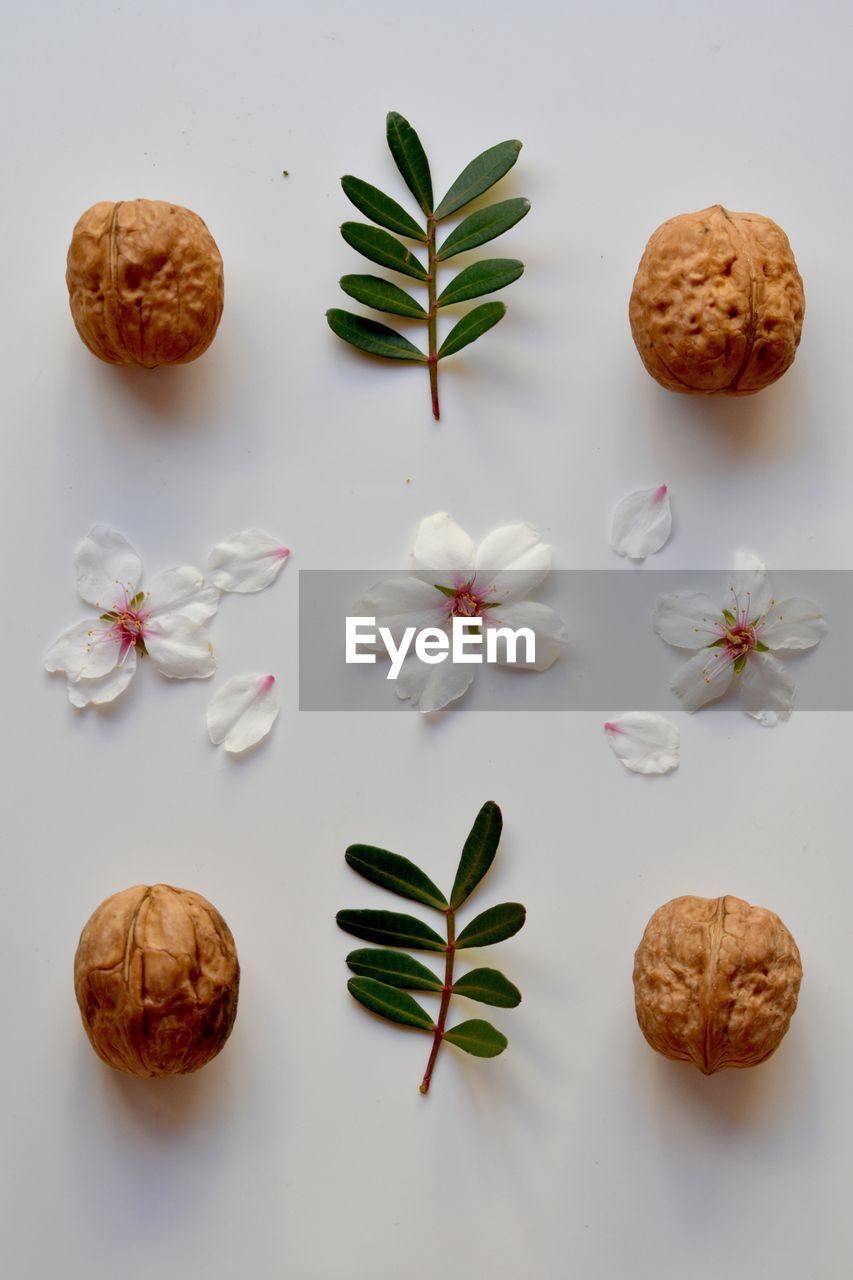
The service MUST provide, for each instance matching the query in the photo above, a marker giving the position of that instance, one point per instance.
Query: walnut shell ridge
(716, 982)
(145, 282)
(717, 305)
(156, 977)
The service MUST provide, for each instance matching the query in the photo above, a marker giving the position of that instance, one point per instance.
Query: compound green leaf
(396, 873)
(374, 204)
(390, 929)
(410, 158)
(478, 852)
(391, 1003)
(489, 987)
(382, 295)
(371, 336)
(485, 225)
(492, 925)
(394, 967)
(479, 278)
(471, 327)
(483, 172)
(379, 246)
(477, 1037)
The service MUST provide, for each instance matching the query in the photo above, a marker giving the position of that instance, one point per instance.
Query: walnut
(716, 982)
(717, 305)
(145, 280)
(156, 977)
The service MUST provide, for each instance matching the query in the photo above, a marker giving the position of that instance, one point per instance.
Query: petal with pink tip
(106, 566)
(96, 693)
(242, 712)
(180, 648)
(442, 545)
(704, 677)
(182, 590)
(86, 651)
(767, 691)
(642, 523)
(247, 561)
(514, 560)
(644, 742)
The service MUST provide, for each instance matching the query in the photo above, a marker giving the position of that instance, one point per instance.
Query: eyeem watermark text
(465, 642)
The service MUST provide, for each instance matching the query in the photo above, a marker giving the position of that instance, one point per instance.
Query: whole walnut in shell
(156, 977)
(145, 281)
(717, 305)
(716, 982)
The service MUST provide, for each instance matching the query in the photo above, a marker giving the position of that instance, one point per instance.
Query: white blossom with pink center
(167, 623)
(456, 579)
(735, 642)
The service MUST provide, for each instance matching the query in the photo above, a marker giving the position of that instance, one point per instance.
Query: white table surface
(306, 1150)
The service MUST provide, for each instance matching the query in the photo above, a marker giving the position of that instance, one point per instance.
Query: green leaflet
(483, 172)
(480, 278)
(390, 1003)
(395, 873)
(394, 967)
(410, 158)
(374, 204)
(381, 294)
(477, 1037)
(493, 925)
(478, 852)
(487, 224)
(489, 987)
(391, 929)
(471, 327)
(379, 246)
(371, 336)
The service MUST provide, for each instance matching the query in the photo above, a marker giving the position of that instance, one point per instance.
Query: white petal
(85, 651)
(644, 742)
(547, 626)
(243, 711)
(642, 523)
(687, 619)
(702, 678)
(432, 687)
(182, 590)
(749, 591)
(794, 623)
(413, 676)
(767, 691)
(514, 559)
(247, 561)
(441, 544)
(398, 603)
(106, 566)
(107, 688)
(180, 648)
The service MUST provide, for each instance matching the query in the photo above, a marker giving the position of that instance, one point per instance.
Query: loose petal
(246, 561)
(706, 676)
(547, 626)
(106, 566)
(180, 648)
(767, 691)
(441, 544)
(84, 693)
(794, 623)
(86, 651)
(644, 742)
(642, 523)
(243, 711)
(514, 559)
(182, 590)
(398, 603)
(687, 619)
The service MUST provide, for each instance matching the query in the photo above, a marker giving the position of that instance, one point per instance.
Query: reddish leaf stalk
(432, 267)
(447, 991)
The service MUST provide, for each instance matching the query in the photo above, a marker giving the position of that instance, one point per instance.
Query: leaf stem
(432, 268)
(446, 993)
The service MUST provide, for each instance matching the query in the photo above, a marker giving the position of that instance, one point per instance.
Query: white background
(306, 1150)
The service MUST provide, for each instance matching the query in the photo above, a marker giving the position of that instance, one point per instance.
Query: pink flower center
(127, 620)
(467, 600)
(740, 640)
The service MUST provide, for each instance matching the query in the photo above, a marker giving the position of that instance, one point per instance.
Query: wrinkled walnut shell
(716, 982)
(717, 305)
(156, 976)
(145, 282)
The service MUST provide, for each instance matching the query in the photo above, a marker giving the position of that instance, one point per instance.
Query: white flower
(247, 561)
(168, 623)
(644, 742)
(736, 641)
(458, 580)
(242, 712)
(642, 523)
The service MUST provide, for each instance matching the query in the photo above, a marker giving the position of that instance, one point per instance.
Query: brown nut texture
(716, 982)
(717, 305)
(145, 282)
(156, 977)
